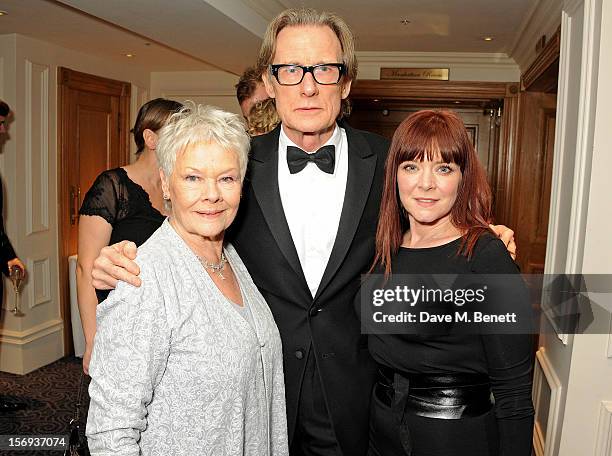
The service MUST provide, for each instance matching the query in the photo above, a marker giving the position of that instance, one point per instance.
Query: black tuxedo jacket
(327, 324)
(7, 253)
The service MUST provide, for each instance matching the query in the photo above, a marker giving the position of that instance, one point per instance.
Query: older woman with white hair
(191, 361)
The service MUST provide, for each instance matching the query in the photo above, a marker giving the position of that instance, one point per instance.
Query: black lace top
(125, 205)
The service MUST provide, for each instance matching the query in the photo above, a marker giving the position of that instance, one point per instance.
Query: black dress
(506, 359)
(125, 205)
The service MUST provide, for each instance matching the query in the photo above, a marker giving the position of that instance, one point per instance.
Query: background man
(250, 89)
(8, 257)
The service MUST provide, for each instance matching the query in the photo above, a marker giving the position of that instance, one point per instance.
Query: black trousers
(474, 436)
(314, 434)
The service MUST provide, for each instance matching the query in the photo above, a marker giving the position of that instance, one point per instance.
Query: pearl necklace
(216, 268)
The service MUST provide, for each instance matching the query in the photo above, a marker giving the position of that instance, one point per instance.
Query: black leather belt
(447, 396)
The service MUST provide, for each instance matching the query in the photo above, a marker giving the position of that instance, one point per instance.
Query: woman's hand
(115, 263)
(507, 237)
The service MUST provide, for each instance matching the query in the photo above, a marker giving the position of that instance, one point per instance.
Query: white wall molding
(36, 146)
(604, 430)
(576, 103)
(546, 377)
(585, 133)
(32, 334)
(24, 351)
(576, 109)
(40, 281)
(554, 256)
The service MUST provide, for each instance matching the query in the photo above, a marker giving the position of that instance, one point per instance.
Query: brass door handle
(75, 197)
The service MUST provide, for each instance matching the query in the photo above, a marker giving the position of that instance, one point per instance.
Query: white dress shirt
(312, 201)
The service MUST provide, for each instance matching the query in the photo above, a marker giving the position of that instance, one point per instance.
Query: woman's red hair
(425, 134)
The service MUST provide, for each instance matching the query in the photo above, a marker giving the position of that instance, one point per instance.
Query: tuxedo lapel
(361, 166)
(264, 180)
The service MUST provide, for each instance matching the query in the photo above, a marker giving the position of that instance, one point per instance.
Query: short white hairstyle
(197, 123)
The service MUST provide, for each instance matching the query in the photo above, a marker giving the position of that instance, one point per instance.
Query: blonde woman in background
(263, 117)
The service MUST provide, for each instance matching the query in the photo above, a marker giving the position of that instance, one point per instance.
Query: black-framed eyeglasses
(323, 73)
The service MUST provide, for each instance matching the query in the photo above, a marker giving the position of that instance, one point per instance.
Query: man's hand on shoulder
(116, 263)
(507, 237)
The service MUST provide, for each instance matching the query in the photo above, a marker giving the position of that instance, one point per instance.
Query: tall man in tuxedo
(306, 229)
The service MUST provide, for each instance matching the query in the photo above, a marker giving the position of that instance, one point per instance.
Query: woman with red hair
(453, 393)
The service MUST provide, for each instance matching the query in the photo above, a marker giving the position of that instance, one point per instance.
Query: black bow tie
(324, 158)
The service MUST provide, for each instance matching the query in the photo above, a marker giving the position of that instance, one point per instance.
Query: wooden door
(94, 136)
(530, 202)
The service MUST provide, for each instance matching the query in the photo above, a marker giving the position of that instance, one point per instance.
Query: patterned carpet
(50, 393)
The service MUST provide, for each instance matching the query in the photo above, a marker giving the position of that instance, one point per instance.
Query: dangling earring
(166, 197)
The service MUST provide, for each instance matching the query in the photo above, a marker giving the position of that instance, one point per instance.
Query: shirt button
(314, 312)
(299, 354)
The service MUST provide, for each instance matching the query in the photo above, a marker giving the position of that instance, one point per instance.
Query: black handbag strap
(75, 446)
(77, 411)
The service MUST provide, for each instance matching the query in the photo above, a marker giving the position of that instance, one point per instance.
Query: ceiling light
(405, 21)
(129, 55)
(375, 99)
(487, 38)
(3, 13)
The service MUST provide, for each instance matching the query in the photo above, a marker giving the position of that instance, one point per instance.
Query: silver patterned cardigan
(176, 370)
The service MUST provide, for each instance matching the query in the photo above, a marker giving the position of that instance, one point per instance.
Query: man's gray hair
(300, 17)
(202, 124)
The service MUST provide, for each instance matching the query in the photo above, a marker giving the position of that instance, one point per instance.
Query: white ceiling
(58, 24)
(186, 35)
(435, 25)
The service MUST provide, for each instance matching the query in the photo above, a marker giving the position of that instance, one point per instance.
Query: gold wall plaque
(437, 74)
